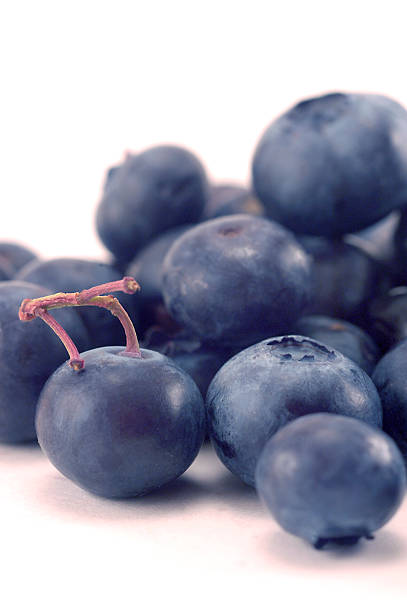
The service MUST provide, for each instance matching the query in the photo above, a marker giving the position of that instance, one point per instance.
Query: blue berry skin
(333, 164)
(146, 267)
(199, 361)
(230, 199)
(400, 241)
(72, 274)
(123, 426)
(236, 280)
(201, 365)
(276, 381)
(29, 354)
(14, 256)
(110, 172)
(387, 318)
(390, 379)
(331, 479)
(4, 271)
(378, 240)
(160, 188)
(344, 278)
(348, 339)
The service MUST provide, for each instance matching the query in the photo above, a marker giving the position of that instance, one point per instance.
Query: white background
(83, 82)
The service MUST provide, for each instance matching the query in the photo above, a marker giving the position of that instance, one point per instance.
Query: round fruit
(236, 280)
(330, 478)
(333, 164)
(275, 381)
(122, 426)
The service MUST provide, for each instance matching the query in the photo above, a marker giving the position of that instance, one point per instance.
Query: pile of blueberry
(272, 320)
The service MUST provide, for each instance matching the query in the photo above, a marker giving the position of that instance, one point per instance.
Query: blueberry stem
(75, 360)
(38, 307)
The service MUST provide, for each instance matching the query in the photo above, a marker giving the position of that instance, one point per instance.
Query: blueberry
(123, 426)
(387, 317)
(110, 172)
(146, 267)
(72, 274)
(344, 278)
(333, 164)
(390, 379)
(230, 199)
(348, 339)
(378, 240)
(236, 280)
(400, 242)
(275, 381)
(4, 271)
(160, 188)
(201, 362)
(13, 257)
(29, 354)
(329, 478)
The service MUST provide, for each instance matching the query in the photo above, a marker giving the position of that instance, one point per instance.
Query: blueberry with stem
(127, 423)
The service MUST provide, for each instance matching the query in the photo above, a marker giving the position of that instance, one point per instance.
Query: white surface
(205, 541)
(81, 83)
(84, 82)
